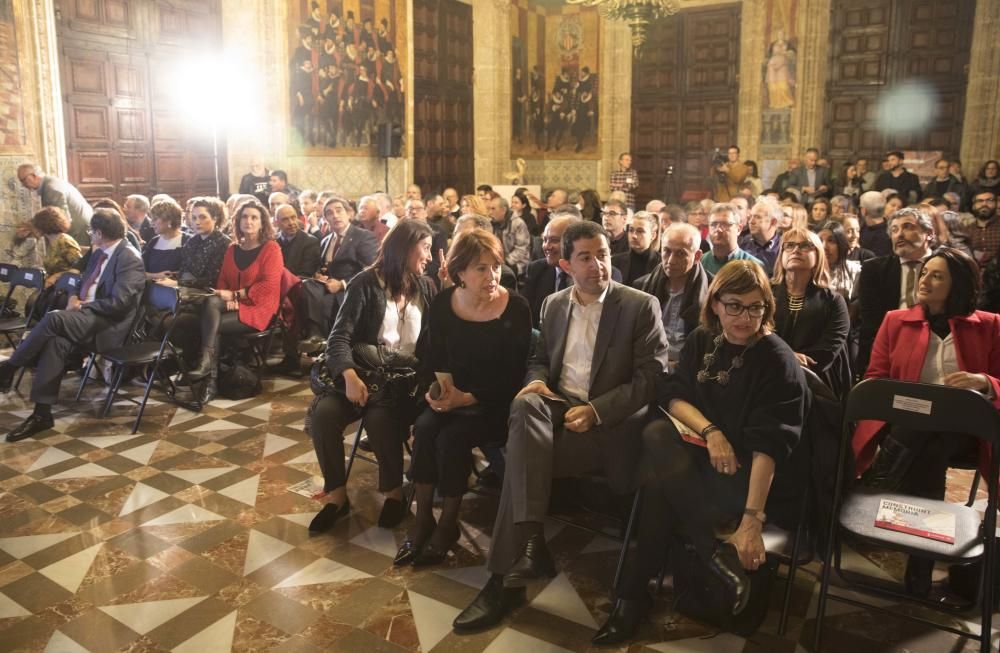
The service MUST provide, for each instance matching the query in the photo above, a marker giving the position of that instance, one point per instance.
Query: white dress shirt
(581, 338)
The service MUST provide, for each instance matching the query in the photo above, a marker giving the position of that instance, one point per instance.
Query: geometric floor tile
(275, 443)
(721, 643)
(184, 515)
(24, 546)
(217, 637)
(308, 457)
(561, 599)
(379, 540)
(262, 549)
(513, 641)
(262, 412)
(245, 491)
(432, 618)
(87, 470)
(197, 476)
(60, 643)
(601, 544)
(144, 617)
(70, 572)
(105, 441)
(142, 453)
(182, 415)
(322, 571)
(218, 425)
(303, 518)
(142, 496)
(10, 608)
(50, 456)
(474, 577)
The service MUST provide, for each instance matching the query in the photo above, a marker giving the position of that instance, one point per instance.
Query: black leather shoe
(393, 513)
(534, 562)
(209, 391)
(7, 373)
(623, 622)
(328, 516)
(430, 555)
(891, 463)
(489, 607)
(409, 550)
(311, 345)
(726, 565)
(29, 427)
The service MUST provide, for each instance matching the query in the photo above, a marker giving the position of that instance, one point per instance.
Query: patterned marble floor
(184, 537)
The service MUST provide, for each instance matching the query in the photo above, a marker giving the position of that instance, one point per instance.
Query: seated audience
(299, 250)
(310, 220)
(464, 225)
(137, 214)
(520, 207)
(279, 184)
(130, 236)
(580, 413)
(984, 233)
(764, 239)
(819, 211)
(478, 341)
(852, 230)
(679, 283)
(162, 254)
(385, 309)
(438, 216)
(614, 217)
(643, 255)
(202, 254)
(942, 339)
(899, 179)
(591, 206)
(61, 250)
(100, 314)
(874, 235)
(513, 234)
(988, 179)
(844, 272)
(544, 276)
(809, 315)
(724, 230)
(893, 202)
(370, 218)
(740, 387)
(943, 181)
(246, 294)
(888, 282)
(810, 179)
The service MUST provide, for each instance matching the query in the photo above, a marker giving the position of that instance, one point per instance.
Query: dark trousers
(683, 496)
(216, 321)
(317, 308)
(442, 449)
(387, 429)
(932, 453)
(48, 345)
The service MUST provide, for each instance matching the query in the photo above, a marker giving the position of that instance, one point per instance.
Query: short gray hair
(140, 202)
(724, 207)
(873, 203)
(772, 206)
(478, 221)
(566, 211)
(923, 218)
(689, 231)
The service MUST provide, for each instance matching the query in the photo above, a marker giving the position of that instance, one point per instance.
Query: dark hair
(169, 211)
(840, 237)
(733, 147)
(524, 200)
(395, 252)
(965, 283)
(982, 171)
(51, 220)
(484, 188)
(266, 227)
(108, 203)
(215, 208)
(109, 223)
(675, 212)
(753, 167)
(896, 153)
(738, 277)
(591, 205)
(578, 231)
(280, 174)
(468, 248)
(821, 200)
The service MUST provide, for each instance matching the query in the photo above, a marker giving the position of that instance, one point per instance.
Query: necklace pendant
(702, 376)
(723, 377)
(737, 362)
(708, 360)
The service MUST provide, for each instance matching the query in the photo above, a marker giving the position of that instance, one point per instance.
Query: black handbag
(702, 596)
(389, 376)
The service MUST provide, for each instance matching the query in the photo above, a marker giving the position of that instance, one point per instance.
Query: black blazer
(355, 254)
(650, 261)
(695, 292)
(540, 282)
(878, 293)
(301, 254)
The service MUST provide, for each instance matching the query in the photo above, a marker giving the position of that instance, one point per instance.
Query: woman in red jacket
(942, 340)
(247, 293)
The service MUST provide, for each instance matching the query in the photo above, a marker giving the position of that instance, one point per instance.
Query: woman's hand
(443, 271)
(804, 360)
(225, 295)
(749, 543)
(355, 388)
(168, 282)
(232, 305)
(449, 398)
(721, 453)
(979, 382)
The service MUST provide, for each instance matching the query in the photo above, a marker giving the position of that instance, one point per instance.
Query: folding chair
(66, 284)
(33, 279)
(163, 300)
(6, 271)
(918, 407)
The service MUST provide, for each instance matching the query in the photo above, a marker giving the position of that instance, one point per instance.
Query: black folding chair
(918, 407)
(6, 271)
(161, 301)
(260, 342)
(32, 279)
(66, 285)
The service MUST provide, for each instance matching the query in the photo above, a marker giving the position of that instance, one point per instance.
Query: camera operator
(729, 174)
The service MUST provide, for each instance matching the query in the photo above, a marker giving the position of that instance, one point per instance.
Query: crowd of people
(665, 348)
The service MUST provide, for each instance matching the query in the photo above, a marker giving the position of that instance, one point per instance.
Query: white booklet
(915, 520)
(310, 487)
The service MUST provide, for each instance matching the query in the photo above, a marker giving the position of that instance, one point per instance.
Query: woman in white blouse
(378, 325)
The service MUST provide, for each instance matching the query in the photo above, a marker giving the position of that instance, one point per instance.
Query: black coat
(301, 254)
(355, 254)
(657, 284)
(650, 261)
(878, 293)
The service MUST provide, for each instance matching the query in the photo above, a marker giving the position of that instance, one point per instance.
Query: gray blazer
(630, 352)
(118, 294)
(799, 178)
(64, 195)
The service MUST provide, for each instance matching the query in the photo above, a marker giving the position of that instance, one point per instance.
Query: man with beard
(984, 234)
(900, 179)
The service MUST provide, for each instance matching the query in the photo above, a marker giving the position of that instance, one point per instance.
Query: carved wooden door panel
(442, 95)
(684, 95)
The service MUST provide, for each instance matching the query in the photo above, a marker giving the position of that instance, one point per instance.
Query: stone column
(752, 50)
(981, 126)
(615, 126)
(811, 74)
(491, 89)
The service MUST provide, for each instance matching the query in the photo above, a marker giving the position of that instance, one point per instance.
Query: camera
(718, 159)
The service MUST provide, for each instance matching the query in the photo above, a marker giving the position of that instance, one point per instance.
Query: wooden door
(684, 100)
(442, 95)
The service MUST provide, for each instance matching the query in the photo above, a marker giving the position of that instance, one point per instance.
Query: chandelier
(637, 13)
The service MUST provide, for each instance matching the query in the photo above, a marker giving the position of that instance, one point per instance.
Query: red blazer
(899, 351)
(261, 280)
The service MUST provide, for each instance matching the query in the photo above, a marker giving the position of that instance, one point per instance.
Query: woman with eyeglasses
(810, 315)
(739, 394)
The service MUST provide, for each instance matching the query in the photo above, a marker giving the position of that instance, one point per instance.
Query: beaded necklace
(722, 377)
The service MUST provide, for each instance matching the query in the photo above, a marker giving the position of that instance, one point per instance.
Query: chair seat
(137, 354)
(780, 542)
(857, 517)
(11, 324)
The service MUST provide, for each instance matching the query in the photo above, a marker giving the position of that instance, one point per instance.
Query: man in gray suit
(101, 313)
(810, 179)
(59, 192)
(589, 385)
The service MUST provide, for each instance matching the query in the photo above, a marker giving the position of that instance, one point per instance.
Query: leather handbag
(389, 376)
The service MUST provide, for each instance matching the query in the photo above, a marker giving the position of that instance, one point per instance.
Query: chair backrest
(28, 278)
(69, 282)
(161, 298)
(6, 271)
(924, 407)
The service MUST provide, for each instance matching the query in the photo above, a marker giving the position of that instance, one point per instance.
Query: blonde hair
(820, 273)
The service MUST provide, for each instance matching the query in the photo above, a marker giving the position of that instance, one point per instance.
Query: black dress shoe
(489, 607)
(393, 512)
(328, 516)
(430, 555)
(623, 622)
(726, 565)
(29, 427)
(534, 562)
(409, 550)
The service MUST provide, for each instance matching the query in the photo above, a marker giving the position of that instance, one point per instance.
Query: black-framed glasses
(735, 309)
(804, 246)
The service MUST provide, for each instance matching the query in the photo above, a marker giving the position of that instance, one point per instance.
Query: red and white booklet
(915, 520)
(686, 433)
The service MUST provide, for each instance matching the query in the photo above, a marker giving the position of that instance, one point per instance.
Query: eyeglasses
(721, 225)
(615, 214)
(735, 309)
(793, 246)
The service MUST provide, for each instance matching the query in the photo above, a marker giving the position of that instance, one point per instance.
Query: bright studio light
(906, 107)
(212, 90)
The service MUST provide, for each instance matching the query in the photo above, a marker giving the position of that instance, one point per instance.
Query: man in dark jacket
(900, 179)
(299, 249)
(643, 253)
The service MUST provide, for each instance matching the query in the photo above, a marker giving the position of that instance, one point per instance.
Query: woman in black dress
(478, 339)
(740, 392)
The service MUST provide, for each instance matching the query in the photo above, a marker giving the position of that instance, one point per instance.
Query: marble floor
(185, 537)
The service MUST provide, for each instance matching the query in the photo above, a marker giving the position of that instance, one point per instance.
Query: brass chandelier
(637, 13)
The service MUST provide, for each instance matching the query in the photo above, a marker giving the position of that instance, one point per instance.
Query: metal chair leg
(974, 490)
(354, 450)
(86, 376)
(116, 381)
(633, 514)
(145, 396)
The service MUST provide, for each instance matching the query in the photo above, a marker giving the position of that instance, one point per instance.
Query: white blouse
(940, 360)
(400, 329)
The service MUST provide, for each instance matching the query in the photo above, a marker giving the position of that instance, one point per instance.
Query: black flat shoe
(393, 513)
(623, 622)
(431, 554)
(534, 562)
(29, 427)
(726, 565)
(489, 607)
(407, 552)
(328, 516)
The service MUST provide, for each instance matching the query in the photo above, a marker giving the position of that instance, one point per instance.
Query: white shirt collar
(576, 300)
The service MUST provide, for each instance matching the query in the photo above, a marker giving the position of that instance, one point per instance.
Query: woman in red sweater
(247, 293)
